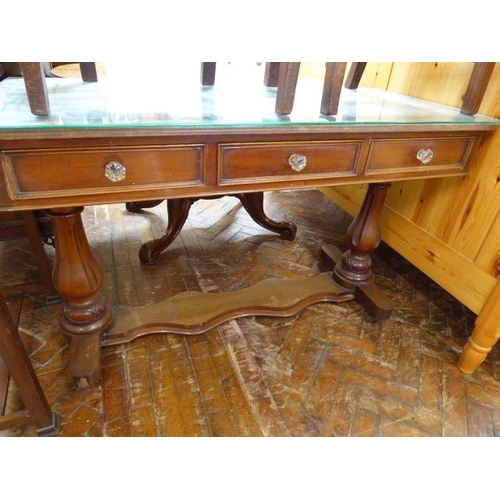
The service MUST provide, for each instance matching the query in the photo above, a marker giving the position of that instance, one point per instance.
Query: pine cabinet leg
(485, 335)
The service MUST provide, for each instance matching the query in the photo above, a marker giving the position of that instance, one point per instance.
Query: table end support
(353, 268)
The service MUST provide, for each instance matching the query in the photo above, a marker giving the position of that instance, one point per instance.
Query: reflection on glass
(234, 100)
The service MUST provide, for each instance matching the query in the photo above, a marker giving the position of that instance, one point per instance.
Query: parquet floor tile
(329, 371)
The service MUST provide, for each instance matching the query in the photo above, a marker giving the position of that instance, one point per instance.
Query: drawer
(38, 173)
(418, 155)
(283, 161)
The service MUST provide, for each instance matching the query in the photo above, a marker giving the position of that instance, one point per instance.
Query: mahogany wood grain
(240, 162)
(35, 173)
(389, 155)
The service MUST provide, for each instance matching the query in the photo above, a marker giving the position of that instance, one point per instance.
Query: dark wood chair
(15, 366)
(478, 83)
(288, 73)
(35, 73)
(284, 76)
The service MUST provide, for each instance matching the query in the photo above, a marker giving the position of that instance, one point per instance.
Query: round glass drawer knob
(297, 161)
(115, 171)
(425, 155)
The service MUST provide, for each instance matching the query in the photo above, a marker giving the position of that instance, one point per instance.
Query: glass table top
(235, 100)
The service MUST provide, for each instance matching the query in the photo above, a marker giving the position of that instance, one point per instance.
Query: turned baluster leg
(485, 335)
(353, 269)
(178, 211)
(78, 277)
(363, 237)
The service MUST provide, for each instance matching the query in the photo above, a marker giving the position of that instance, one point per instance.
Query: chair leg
(88, 71)
(287, 84)
(36, 88)
(332, 87)
(480, 77)
(354, 76)
(34, 234)
(208, 73)
(271, 74)
(37, 410)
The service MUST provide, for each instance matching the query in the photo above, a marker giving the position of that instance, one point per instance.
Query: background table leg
(253, 203)
(178, 211)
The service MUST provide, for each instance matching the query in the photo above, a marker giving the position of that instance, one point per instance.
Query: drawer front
(44, 173)
(416, 155)
(270, 162)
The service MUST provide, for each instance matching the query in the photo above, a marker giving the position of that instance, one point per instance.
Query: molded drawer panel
(38, 173)
(418, 154)
(238, 163)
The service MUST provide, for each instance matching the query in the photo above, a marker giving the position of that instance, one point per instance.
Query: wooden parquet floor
(329, 371)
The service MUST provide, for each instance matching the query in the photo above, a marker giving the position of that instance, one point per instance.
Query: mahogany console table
(115, 144)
